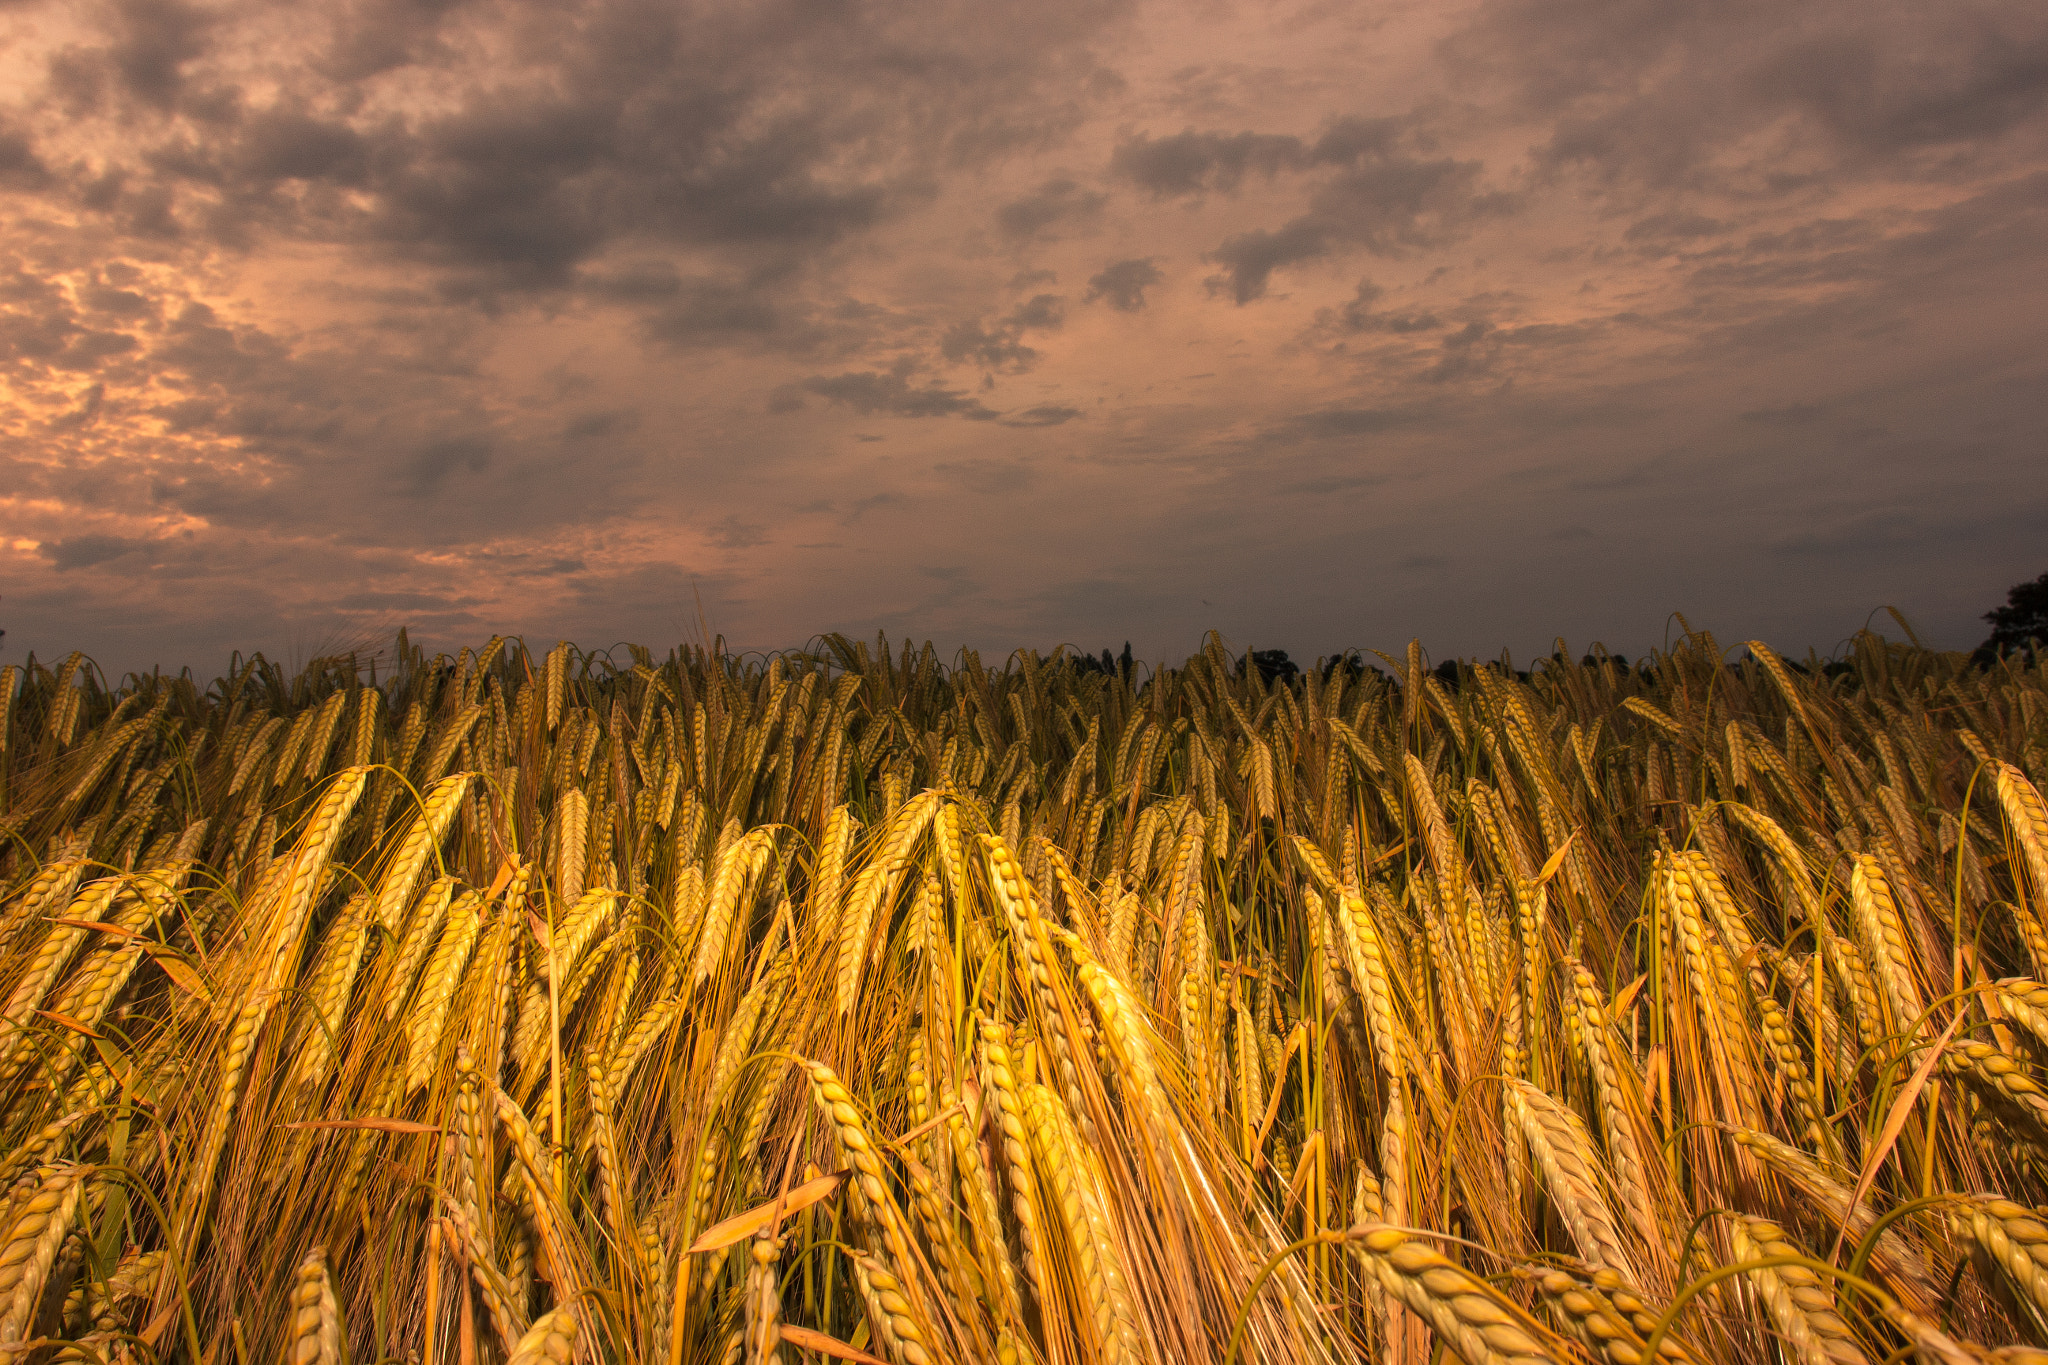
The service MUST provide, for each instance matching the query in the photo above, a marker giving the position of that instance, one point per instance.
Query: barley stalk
(316, 1317)
(1056, 1143)
(36, 1228)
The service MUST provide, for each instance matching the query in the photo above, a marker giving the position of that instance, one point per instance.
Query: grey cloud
(84, 413)
(1886, 531)
(1044, 415)
(594, 426)
(499, 559)
(870, 503)
(1551, 335)
(1329, 422)
(1662, 228)
(125, 304)
(735, 533)
(1674, 97)
(1980, 79)
(1328, 484)
(1465, 355)
(632, 281)
(999, 345)
(399, 601)
(1382, 199)
(711, 312)
(83, 552)
(1359, 315)
(289, 144)
(504, 189)
(41, 329)
(871, 392)
(1123, 283)
(1786, 415)
(1348, 141)
(20, 167)
(371, 37)
(158, 40)
(1250, 258)
(764, 310)
(644, 599)
(436, 463)
(1055, 202)
(1190, 163)
(198, 343)
(989, 477)
(1044, 311)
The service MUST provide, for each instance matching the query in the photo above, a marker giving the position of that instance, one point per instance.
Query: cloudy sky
(1325, 323)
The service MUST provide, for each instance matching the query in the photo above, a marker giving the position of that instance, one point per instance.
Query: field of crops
(861, 1004)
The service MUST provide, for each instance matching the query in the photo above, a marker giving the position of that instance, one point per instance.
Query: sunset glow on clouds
(1324, 324)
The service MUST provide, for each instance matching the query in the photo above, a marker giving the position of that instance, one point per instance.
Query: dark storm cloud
(728, 128)
(1122, 284)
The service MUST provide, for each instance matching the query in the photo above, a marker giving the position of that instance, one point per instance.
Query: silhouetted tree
(2021, 622)
(1109, 663)
(1274, 663)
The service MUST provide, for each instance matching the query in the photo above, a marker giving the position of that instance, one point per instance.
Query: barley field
(853, 1003)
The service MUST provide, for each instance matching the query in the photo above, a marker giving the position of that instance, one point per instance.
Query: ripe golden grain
(316, 1317)
(1179, 948)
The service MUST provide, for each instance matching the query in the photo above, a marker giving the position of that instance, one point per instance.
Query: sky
(1322, 324)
